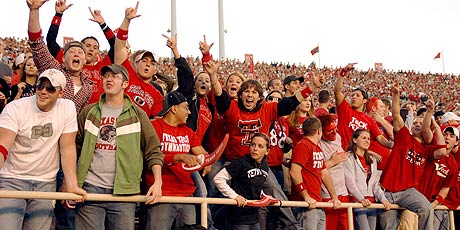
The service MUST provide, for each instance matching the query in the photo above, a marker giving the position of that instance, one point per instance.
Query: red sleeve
(373, 127)
(343, 107)
(300, 154)
(194, 140)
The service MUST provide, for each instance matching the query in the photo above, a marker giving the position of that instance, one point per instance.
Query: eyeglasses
(49, 88)
(272, 98)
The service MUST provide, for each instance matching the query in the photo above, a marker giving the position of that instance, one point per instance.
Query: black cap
(421, 110)
(172, 98)
(438, 113)
(290, 78)
(363, 92)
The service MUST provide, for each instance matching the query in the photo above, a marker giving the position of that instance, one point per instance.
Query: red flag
(314, 50)
(437, 56)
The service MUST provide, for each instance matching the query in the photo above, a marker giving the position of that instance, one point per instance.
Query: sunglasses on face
(49, 88)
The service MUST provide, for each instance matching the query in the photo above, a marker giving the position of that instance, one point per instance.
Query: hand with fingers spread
(35, 4)
(131, 13)
(61, 6)
(204, 46)
(97, 16)
(211, 67)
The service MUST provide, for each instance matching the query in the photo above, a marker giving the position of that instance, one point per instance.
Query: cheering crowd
(80, 120)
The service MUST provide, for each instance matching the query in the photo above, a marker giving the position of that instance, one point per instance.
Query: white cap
(55, 76)
(450, 116)
(20, 59)
(453, 130)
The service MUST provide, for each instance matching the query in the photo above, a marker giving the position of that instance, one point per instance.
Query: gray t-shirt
(102, 170)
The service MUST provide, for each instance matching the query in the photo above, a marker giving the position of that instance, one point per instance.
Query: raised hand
(61, 6)
(131, 13)
(171, 42)
(395, 88)
(35, 4)
(430, 103)
(204, 46)
(97, 16)
(211, 67)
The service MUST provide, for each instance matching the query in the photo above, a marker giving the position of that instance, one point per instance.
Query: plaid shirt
(44, 60)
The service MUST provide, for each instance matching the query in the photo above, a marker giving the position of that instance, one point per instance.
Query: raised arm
(339, 84)
(34, 15)
(122, 36)
(54, 48)
(428, 121)
(109, 35)
(398, 122)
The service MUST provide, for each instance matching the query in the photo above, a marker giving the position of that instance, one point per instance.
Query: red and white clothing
(438, 174)
(174, 140)
(241, 125)
(277, 136)
(144, 95)
(296, 132)
(350, 120)
(453, 197)
(406, 162)
(94, 76)
(310, 156)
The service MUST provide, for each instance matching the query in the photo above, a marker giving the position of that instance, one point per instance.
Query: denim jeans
(412, 200)
(17, 214)
(64, 217)
(311, 219)
(211, 187)
(201, 191)
(441, 220)
(279, 174)
(365, 218)
(104, 215)
(161, 216)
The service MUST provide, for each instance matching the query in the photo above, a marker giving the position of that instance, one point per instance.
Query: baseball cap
(452, 130)
(363, 92)
(55, 76)
(438, 113)
(421, 110)
(450, 116)
(148, 54)
(290, 78)
(172, 98)
(115, 68)
(74, 44)
(20, 59)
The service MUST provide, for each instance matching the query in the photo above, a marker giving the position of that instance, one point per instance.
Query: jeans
(65, 218)
(211, 187)
(441, 220)
(18, 214)
(311, 219)
(286, 217)
(201, 191)
(162, 216)
(412, 200)
(104, 215)
(279, 175)
(365, 218)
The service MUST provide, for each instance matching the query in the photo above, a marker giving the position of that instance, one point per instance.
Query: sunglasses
(49, 88)
(272, 98)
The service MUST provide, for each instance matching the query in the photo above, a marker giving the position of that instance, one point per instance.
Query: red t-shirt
(383, 151)
(350, 120)
(406, 162)
(217, 128)
(277, 136)
(310, 156)
(453, 197)
(241, 125)
(143, 94)
(94, 75)
(204, 119)
(174, 140)
(438, 174)
(296, 133)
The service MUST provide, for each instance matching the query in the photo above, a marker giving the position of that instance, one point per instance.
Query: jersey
(277, 134)
(94, 76)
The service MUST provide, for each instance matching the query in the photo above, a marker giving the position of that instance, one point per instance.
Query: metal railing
(194, 200)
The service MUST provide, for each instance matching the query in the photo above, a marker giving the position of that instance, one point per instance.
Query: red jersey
(217, 128)
(296, 133)
(277, 136)
(204, 119)
(406, 162)
(143, 94)
(438, 174)
(174, 140)
(310, 156)
(453, 197)
(350, 120)
(383, 151)
(241, 125)
(94, 76)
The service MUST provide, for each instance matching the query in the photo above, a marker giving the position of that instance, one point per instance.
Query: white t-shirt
(34, 154)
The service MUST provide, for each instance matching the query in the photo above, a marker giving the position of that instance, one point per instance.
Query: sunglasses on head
(49, 88)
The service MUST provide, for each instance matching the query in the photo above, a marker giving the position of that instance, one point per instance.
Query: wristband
(440, 199)
(57, 19)
(33, 36)
(122, 34)
(343, 72)
(103, 26)
(4, 151)
(300, 187)
(206, 57)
